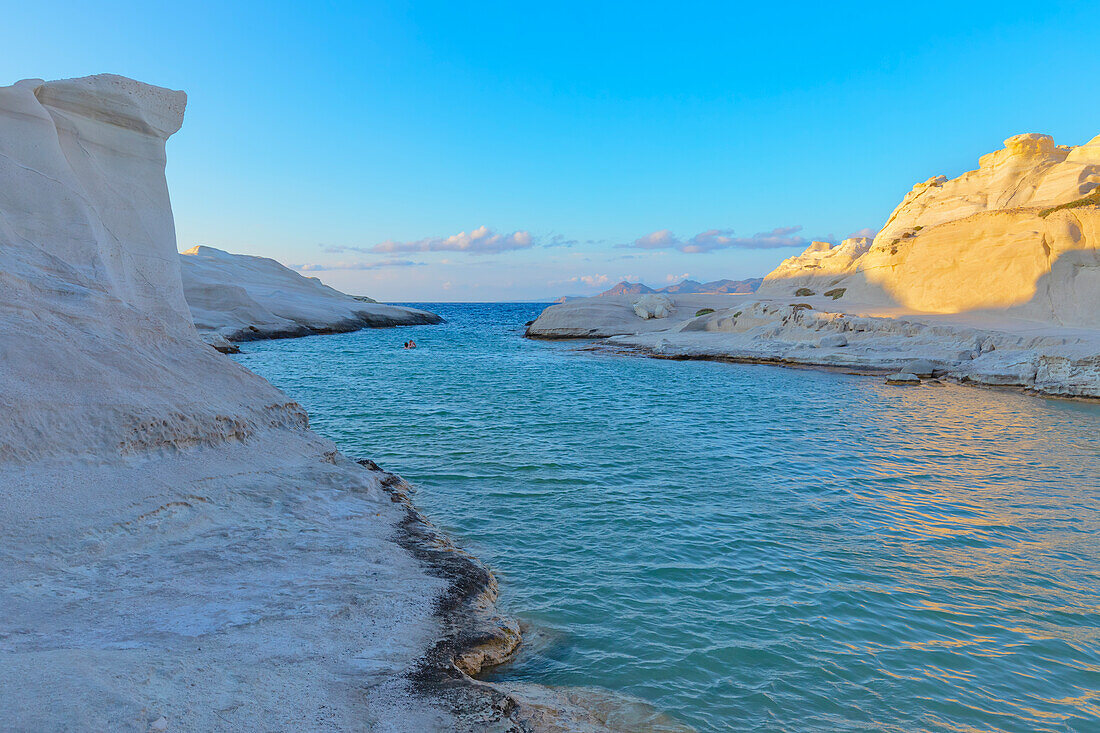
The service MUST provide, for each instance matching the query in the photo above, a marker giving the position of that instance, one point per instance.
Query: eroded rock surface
(178, 549)
(613, 315)
(1019, 353)
(241, 297)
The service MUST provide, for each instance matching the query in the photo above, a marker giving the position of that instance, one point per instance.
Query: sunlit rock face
(242, 297)
(1031, 171)
(821, 259)
(987, 240)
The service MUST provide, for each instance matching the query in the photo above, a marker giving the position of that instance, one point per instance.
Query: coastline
(852, 370)
(180, 550)
(475, 637)
(348, 325)
(235, 297)
(985, 349)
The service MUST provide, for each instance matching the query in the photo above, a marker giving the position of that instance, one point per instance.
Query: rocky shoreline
(228, 344)
(1035, 357)
(990, 278)
(933, 377)
(235, 298)
(474, 638)
(181, 551)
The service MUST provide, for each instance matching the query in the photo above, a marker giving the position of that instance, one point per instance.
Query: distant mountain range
(689, 286)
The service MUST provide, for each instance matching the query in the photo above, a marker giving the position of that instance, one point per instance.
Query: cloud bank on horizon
(519, 265)
(480, 241)
(377, 265)
(486, 241)
(715, 239)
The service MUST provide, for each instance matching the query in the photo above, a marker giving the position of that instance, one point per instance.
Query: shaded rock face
(992, 239)
(242, 298)
(84, 189)
(154, 494)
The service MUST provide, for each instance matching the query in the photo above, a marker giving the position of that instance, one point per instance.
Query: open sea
(745, 547)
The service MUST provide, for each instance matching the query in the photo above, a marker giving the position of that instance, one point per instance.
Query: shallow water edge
(476, 638)
(864, 371)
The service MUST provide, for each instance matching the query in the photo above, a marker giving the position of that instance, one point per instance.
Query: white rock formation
(174, 542)
(612, 315)
(999, 351)
(241, 298)
(178, 551)
(652, 306)
(985, 241)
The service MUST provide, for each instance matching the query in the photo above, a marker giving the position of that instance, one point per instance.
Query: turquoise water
(746, 547)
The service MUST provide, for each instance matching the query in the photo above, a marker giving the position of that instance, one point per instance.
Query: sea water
(746, 547)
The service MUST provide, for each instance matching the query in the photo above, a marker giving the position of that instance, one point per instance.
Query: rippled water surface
(746, 547)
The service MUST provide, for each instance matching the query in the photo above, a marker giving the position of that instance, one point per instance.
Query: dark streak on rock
(345, 326)
(464, 610)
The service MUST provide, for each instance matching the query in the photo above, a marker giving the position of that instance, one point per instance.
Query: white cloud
(482, 240)
(591, 280)
(714, 239)
(864, 232)
(660, 239)
(378, 265)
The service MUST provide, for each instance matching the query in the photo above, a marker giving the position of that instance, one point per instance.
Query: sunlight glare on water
(746, 547)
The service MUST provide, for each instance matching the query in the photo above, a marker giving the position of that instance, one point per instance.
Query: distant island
(684, 287)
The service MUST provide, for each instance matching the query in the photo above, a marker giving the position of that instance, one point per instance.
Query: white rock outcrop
(178, 551)
(613, 315)
(175, 543)
(1046, 359)
(241, 297)
(652, 306)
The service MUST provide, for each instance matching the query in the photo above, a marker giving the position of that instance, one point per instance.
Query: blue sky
(498, 151)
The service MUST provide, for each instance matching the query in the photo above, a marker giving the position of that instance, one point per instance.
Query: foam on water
(745, 547)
